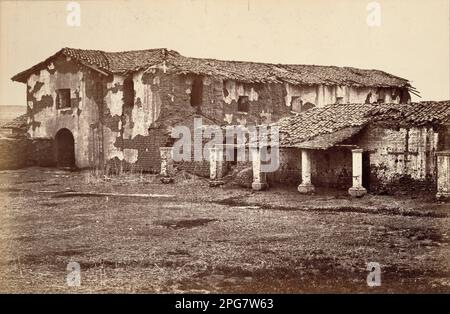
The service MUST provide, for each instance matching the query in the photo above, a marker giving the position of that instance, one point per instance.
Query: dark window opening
(225, 90)
(63, 98)
(381, 93)
(128, 92)
(369, 96)
(243, 104)
(405, 97)
(339, 100)
(197, 92)
(296, 104)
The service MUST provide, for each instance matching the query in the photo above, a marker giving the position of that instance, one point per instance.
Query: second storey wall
(106, 127)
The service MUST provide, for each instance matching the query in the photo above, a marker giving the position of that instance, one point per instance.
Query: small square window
(63, 98)
(243, 104)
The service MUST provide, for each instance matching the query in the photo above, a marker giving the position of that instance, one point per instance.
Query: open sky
(412, 40)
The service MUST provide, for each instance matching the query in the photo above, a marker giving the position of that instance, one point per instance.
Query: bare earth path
(135, 234)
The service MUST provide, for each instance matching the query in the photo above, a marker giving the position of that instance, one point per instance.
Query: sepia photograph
(239, 147)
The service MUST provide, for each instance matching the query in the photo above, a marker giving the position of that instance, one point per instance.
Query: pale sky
(412, 40)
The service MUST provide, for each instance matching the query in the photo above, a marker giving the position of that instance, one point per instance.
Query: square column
(357, 190)
(259, 177)
(443, 175)
(166, 172)
(216, 166)
(306, 187)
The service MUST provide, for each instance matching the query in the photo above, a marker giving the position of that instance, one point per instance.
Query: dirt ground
(135, 234)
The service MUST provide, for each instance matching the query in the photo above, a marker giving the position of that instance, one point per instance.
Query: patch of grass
(217, 239)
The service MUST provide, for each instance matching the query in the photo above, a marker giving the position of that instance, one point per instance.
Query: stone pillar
(443, 175)
(357, 190)
(259, 178)
(216, 165)
(306, 186)
(166, 173)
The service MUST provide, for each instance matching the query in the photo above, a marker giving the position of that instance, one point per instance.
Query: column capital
(166, 151)
(357, 150)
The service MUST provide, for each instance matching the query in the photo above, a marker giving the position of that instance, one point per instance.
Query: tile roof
(19, 122)
(130, 61)
(326, 126)
(111, 62)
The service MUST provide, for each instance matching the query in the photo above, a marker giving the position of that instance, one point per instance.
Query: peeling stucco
(322, 95)
(233, 89)
(130, 155)
(105, 129)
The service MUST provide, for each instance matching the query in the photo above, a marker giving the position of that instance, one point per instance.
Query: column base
(357, 191)
(307, 188)
(166, 180)
(215, 183)
(258, 186)
(443, 196)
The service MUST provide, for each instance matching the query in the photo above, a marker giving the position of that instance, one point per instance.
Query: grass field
(134, 234)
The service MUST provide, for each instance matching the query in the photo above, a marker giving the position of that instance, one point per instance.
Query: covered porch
(338, 167)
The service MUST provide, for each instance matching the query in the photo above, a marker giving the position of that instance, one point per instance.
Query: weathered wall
(266, 102)
(106, 130)
(323, 95)
(13, 153)
(163, 99)
(289, 171)
(329, 168)
(45, 119)
(18, 153)
(400, 158)
(444, 138)
(332, 168)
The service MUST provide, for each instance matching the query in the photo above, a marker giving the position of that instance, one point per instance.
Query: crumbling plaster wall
(329, 168)
(399, 154)
(162, 100)
(322, 95)
(332, 168)
(289, 170)
(45, 119)
(106, 130)
(139, 138)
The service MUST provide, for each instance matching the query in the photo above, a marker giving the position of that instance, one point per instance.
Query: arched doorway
(65, 149)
